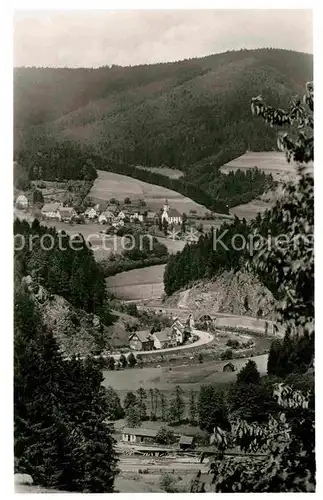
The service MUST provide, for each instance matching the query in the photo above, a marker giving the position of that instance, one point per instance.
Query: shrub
(167, 483)
(227, 354)
(233, 343)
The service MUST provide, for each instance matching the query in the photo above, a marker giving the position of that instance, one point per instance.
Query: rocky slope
(240, 293)
(76, 331)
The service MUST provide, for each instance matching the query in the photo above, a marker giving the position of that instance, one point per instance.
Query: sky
(99, 38)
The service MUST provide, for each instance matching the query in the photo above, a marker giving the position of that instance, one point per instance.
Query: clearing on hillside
(270, 162)
(110, 185)
(138, 284)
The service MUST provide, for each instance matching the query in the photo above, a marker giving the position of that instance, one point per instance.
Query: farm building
(180, 331)
(171, 215)
(123, 214)
(67, 213)
(106, 217)
(22, 201)
(137, 216)
(51, 211)
(151, 216)
(139, 435)
(90, 213)
(141, 341)
(117, 222)
(164, 339)
(186, 442)
(229, 367)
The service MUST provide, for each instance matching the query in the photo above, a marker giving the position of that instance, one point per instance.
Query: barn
(229, 367)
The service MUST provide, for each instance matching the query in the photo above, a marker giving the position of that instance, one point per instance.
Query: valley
(152, 353)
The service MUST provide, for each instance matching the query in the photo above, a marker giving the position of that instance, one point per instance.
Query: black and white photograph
(163, 250)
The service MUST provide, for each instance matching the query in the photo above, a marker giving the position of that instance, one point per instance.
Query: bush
(167, 483)
(132, 360)
(233, 343)
(227, 354)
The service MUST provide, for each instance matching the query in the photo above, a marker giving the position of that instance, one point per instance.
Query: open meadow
(270, 162)
(110, 185)
(138, 284)
(187, 376)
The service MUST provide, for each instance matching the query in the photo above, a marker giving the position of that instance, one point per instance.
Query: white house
(171, 215)
(51, 211)
(116, 222)
(106, 217)
(179, 331)
(164, 339)
(90, 213)
(122, 215)
(22, 201)
(137, 216)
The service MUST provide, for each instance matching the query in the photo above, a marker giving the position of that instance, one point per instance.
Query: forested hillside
(192, 115)
(64, 267)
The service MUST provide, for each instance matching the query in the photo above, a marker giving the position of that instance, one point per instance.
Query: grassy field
(138, 284)
(188, 377)
(270, 162)
(172, 173)
(109, 185)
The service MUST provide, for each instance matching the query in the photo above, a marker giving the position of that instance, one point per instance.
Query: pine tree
(192, 408)
(249, 374)
(141, 397)
(163, 407)
(177, 406)
(129, 400)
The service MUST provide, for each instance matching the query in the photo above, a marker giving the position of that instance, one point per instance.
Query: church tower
(166, 206)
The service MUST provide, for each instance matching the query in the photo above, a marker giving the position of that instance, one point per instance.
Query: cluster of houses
(169, 337)
(102, 213)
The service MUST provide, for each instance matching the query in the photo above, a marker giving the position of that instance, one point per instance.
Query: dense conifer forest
(62, 266)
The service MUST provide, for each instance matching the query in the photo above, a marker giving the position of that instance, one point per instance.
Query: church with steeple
(171, 215)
